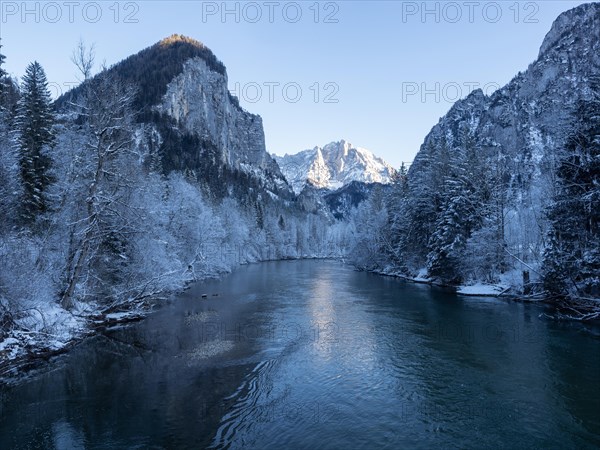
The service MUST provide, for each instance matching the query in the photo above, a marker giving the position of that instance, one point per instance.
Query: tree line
(105, 212)
(467, 213)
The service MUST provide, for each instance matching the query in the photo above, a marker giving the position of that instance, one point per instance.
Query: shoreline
(586, 312)
(13, 369)
(29, 358)
(499, 290)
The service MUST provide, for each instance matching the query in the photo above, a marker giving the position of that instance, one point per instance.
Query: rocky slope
(517, 134)
(199, 101)
(526, 119)
(342, 201)
(188, 117)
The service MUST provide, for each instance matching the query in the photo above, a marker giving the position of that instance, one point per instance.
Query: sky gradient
(379, 74)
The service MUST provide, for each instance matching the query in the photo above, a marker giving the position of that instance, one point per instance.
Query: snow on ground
(9, 348)
(121, 316)
(514, 277)
(48, 328)
(511, 279)
(482, 289)
(508, 280)
(422, 276)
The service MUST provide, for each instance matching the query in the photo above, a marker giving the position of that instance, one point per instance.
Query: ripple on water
(315, 355)
(249, 407)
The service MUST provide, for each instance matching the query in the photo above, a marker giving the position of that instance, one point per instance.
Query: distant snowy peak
(334, 166)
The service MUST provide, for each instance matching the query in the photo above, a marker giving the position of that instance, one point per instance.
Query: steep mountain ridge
(190, 119)
(506, 146)
(198, 100)
(528, 114)
(526, 121)
(333, 166)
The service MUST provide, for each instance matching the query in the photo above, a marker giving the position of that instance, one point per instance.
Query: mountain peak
(333, 166)
(583, 20)
(180, 39)
(154, 67)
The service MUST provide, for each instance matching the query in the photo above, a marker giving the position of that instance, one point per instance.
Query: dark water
(315, 355)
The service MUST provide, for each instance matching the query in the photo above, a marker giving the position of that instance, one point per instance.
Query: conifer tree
(461, 210)
(34, 124)
(397, 205)
(572, 259)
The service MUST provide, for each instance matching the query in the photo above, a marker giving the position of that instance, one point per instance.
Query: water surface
(312, 354)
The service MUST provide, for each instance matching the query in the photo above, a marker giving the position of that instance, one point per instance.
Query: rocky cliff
(188, 117)
(520, 129)
(527, 119)
(199, 101)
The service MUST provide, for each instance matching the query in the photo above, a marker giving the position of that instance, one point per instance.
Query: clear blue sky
(377, 57)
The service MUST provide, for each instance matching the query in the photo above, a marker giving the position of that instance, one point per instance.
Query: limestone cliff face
(526, 122)
(199, 101)
(185, 112)
(518, 133)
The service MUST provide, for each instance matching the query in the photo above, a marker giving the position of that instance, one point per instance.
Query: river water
(312, 354)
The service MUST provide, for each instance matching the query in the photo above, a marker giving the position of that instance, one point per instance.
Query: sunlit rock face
(335, 165)
(198, 100)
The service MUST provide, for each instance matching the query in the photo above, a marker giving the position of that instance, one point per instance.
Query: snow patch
(482, 289)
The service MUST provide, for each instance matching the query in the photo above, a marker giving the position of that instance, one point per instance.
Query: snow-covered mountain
(191, 119)
(509, 146)
(334, 166)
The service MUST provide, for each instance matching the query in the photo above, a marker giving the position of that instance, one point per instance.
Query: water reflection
(313, 354)
(64, 436)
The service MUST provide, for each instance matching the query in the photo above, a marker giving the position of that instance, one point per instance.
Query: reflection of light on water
(335, 334)
(202, 316)
(323, 315)
(64, 435)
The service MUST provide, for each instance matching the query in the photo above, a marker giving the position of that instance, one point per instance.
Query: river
(312, 354)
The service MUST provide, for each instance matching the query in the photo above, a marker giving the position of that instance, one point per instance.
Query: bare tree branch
(83, 58)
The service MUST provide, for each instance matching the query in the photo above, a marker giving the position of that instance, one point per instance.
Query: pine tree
(9, 178)
(397, 206)
(34, 123)
(453, 227)
(8, 91)
(425, 186)
(461, 208)
(572, 259)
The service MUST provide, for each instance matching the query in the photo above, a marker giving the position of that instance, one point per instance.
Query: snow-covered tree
(9, 167)
(398, 207)
(34, 122)
(99, 238)
(572, 259)
(371, 238)
(458, 216)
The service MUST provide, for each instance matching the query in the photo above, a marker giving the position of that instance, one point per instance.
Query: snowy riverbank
(53, 331)
(25, 349)
(508, 285)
